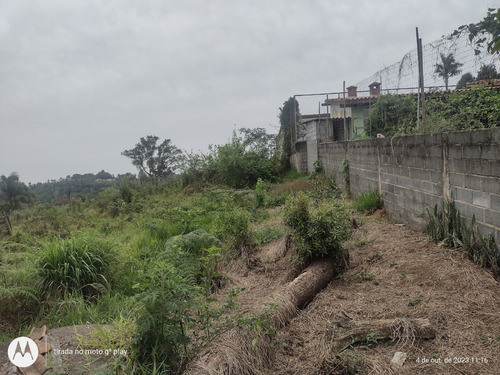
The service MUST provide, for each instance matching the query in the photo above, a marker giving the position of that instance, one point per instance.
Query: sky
(83, 80)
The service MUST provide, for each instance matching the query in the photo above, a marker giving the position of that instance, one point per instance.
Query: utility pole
(346, 135)
(421, 88)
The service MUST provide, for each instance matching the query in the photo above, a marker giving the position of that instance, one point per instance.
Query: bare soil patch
(399, 274)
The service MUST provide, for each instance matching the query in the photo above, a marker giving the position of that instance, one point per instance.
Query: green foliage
(77, 265)
(317, 231)
(447, 227)
(261, 196)
(466, 78)
(267, 234)
(289, 120)
(238, 164)
(463, 110)
(447, 68)
(347, 176)
(368, 202)
(13, 193)
(173, 300)
(233, 226)
(488, 71)
(486, 31)
(393, 115)
(155, 161)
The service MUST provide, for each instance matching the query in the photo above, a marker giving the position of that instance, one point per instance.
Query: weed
(366, 276)
(368, 202)
(447, 227)
(267, 234)
(347, 178)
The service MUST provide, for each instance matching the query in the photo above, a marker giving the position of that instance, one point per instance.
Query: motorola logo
(22, 352)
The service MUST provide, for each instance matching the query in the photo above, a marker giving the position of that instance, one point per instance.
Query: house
(354, 109)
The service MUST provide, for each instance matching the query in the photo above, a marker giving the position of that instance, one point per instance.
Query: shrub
(75, 265)
(447, 227)
(317, 232)
(368, 202)
(173, 299)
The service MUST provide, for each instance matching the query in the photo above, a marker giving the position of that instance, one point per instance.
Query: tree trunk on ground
(233, 352)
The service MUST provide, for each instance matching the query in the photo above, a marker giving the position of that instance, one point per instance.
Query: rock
(398, 359)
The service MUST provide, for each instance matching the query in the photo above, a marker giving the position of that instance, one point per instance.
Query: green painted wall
(358, 122)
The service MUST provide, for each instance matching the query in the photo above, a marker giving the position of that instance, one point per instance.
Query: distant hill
(78, 185)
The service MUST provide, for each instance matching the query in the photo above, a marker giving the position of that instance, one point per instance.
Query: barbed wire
(403, 75)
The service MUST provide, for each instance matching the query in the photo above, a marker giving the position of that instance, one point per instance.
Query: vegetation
(393, 114)
(154, 161)
(487, 31)
(13, 193)
(318, 228)
(289, 119)
(466, 78)
(447, 227)
(447, 68)
(455, 110)
(238, 164)
(368, 202)
(487, 72)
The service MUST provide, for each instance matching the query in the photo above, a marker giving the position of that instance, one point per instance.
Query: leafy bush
(233, 227)
(74, 266)
(238, 164)
(368, 202)
(317, 231)
(393, 114)
(173, 299)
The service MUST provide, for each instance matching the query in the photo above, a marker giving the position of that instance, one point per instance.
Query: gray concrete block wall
(416, 172)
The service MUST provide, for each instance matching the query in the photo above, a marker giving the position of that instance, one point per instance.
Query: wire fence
(402, 76)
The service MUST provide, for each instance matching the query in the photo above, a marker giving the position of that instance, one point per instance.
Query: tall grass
(368, 202)
(77, 265)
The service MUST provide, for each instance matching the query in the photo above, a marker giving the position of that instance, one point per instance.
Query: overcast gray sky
(83, 80)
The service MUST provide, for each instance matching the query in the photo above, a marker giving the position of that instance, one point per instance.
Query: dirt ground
(395, 273)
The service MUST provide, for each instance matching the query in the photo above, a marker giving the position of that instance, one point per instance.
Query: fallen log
(404, 331)
(234, 353)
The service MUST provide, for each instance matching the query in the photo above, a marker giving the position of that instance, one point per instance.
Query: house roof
(315, 116)
(352, 100)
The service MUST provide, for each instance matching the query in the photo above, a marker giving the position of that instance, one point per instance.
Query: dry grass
(461, 300)
(290, 187)
(413, 278)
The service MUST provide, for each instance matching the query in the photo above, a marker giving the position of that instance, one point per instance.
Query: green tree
(289, 120)
(487, 72)
(447, 68)
(14, 192)
(467, 77)
(238, 164)
(155, 161)
(486, 31)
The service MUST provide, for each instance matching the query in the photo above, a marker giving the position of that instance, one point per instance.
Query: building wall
(414, 173)
(358, 121)
(299, 158)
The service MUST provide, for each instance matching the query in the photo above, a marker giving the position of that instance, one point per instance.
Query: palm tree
(448, 68)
